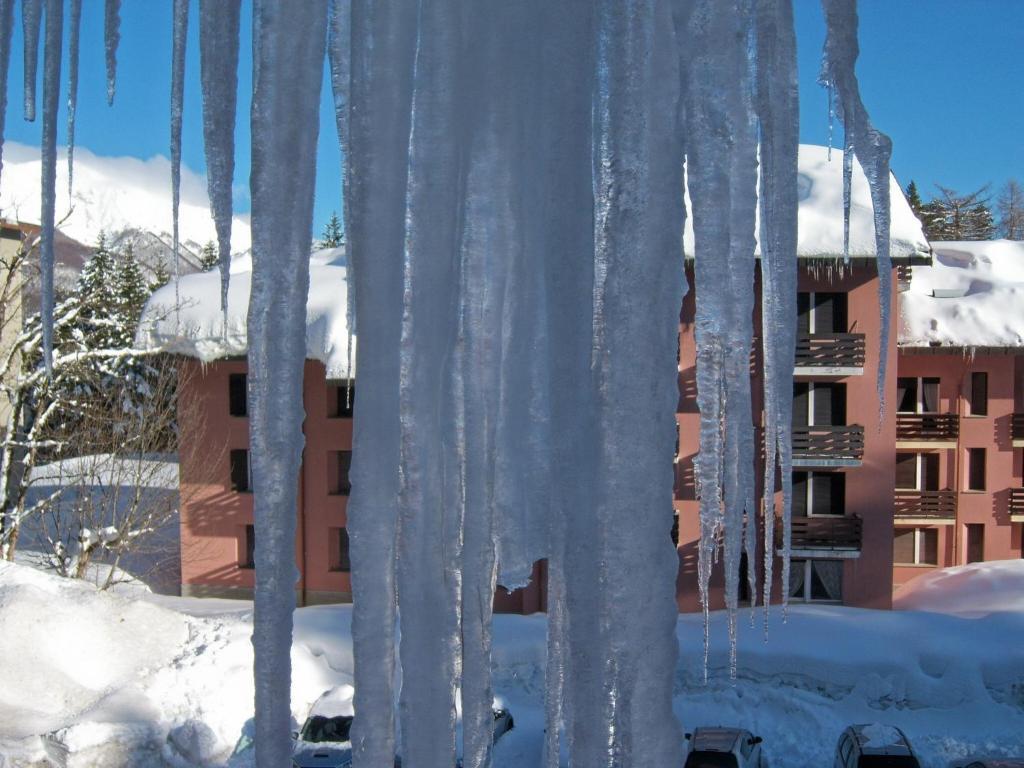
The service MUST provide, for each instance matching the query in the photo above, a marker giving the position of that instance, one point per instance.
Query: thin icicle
(830, 91)
(6, 23)
(872, 149)
(111, 38)
(31, 19)
(73, 35)
(847, 183)
(51, 102)
(218, 60)
(179, 37)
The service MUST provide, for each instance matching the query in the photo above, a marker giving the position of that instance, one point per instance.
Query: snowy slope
(113, 195)
(971, 296)
(117, 681)
(198, 329)
(974, 590)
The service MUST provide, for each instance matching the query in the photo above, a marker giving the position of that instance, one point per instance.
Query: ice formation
(51, 96)
(31, 20)
(111, 37)
(73, 38)
(179, 37)
(515, 212)
(218, 52)
(6, 25)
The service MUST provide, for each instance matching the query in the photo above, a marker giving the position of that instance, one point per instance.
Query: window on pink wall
(975, 542)
(341, 399)
(247, 547)
(979, 394)
(237, 398)
(338, 464)
(339, 550)
(976, 469)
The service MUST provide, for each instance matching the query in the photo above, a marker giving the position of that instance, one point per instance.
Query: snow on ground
(972, 591)
(198, 330)
(157, 470)
(158, 681)
(971, 296)
(112, 194)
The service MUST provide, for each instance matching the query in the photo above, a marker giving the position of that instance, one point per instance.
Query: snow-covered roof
(197, 329)
(820, 216)
(972, 295)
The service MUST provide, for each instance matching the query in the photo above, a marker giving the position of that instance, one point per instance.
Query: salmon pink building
(880, 494)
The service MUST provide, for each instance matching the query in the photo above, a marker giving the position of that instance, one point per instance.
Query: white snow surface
(972, 295)
(820, 213)
(95, 679)
(200, 330)
(880, 736)
(112, 194)
(972, 591)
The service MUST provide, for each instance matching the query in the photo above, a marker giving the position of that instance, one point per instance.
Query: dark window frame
(238, 395)
(247, 550)
(978, 400)
(240, 470)
(976, 469)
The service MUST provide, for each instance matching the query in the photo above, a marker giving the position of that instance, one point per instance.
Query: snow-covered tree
(333, 236)
(161, 276)
(1010, 206)
(914, 198)
(208, 257)
(952, 216)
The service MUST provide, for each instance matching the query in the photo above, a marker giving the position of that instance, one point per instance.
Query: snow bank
(112, 194)
(157, 471)
(820, 215)
(971, 296)
(197, 330)
(972, 590)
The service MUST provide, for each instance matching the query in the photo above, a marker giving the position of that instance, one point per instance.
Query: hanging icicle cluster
(514, 212)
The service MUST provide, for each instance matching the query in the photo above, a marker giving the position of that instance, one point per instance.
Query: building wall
(13, 313)
(990, 507)
(869, 487)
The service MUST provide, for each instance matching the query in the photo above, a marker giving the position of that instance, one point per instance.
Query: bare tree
(952, 216)
(1010, 206)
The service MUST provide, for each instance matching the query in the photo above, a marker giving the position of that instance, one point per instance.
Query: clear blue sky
(944, 78)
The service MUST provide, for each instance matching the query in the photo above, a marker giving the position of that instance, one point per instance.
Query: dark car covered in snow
(721, 747)
(873, 745)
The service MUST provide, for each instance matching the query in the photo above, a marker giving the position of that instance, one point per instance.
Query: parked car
(873, 745)
(723, 748)
(988, 762)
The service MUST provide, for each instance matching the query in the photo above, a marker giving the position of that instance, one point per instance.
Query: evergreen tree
(208, 257)
(161, 276)
(132, 292)
(914, 199)
(952, 216)
(97, 296)
(333, 236)
(1011, 211)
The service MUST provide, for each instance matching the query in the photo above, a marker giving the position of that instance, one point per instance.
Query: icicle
(111, 38)
(777, 102)
(6, 23)
(31, 18)
(290, 48)
(830, 90)
(872, 149)
(847, 183)
(51, 96)
(179, 36)
(218, 59)
(73, 35)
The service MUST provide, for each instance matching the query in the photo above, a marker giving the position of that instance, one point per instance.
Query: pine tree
(161, 276)
(1011, 211)
(914, 199)
(333, 236)
(209, 256)
(97, 295)
(132, 292)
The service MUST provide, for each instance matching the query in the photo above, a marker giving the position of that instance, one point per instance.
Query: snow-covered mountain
(127, 198)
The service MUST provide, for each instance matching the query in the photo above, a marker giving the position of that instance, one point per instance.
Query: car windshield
(322, 729)
(711, 760)
(887, 761)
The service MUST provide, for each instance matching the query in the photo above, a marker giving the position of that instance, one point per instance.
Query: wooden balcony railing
(828, 444)
(830, 350)
(1016, 502)
(927, 426)
(825, 533)
(925, 505)
(1017, 426)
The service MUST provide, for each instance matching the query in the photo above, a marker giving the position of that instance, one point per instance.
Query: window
(675, 529)
(816, 580)
(339, 550)
(820, 404)
(976, 469)
(917, 395)
(247, 548)
(819, 493)
(241, 472)
(917, 471)
(821, 313)
(237, 401)
(916, 546)
(979, 394)
(341, 399)
(338, 463)
(975, 542)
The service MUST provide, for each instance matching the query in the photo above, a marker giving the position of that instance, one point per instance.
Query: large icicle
(777, 103)
(51, 103)
(111, 38)
(871, 147)
(73, 35)
(383, 46)
(179, 36)
(31, 18)
(218, 61)
(289, 46)
(6, 24)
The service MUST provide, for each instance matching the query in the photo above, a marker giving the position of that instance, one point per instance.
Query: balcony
(838, 537)
(1017, 430)
(825, 446)
(829, 354)
(1017, 505)
(927, 430)
(925, 507)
